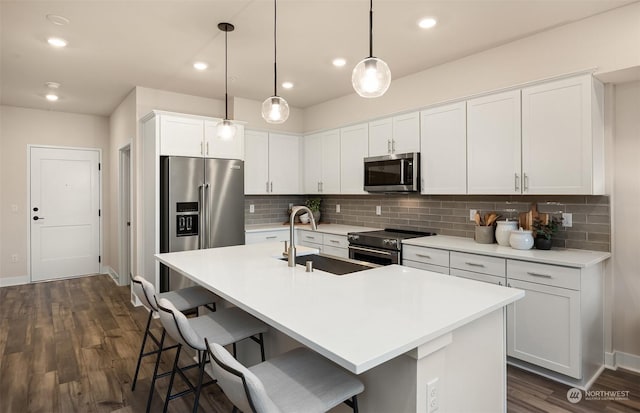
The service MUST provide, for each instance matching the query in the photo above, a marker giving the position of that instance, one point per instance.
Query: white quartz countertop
(337, 229)
(358, 320)
(565, 257)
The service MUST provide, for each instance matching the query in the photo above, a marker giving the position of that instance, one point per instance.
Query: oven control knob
(353, 237)
(392, 242)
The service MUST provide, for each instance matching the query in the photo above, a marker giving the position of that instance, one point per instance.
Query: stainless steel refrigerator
(201, 206)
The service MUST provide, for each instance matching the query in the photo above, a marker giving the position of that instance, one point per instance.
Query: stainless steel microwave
(392, 173)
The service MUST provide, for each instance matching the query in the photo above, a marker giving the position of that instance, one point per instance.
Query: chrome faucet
(291, 253)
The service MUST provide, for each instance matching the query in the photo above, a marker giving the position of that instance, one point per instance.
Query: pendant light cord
(275, 49)
(371, 28)
(226, 58)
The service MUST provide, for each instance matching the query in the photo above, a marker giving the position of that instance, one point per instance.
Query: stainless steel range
(382, 247)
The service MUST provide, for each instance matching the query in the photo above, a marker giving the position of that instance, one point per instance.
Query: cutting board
(525, 219)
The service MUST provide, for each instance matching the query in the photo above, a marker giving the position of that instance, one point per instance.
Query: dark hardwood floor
(71, 346)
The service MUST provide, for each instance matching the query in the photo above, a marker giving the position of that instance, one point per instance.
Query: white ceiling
(116, 45)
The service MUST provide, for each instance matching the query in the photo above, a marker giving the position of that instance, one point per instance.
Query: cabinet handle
(267, 186)
(526, 183)
(499, 282)
(271, 186)
(537, 274)
(509, 285)
(309, 237)
(207, 148)
(321, 186)
(272, 237)
(389, 145)
(474, 264)
(201, 148)
(517, 183)
(334, 241)
(393, 146)
(423, 256)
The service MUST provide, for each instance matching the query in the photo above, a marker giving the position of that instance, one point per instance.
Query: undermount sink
(332, 264)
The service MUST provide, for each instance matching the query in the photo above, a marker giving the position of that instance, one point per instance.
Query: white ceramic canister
(521, 239)
(503, 231)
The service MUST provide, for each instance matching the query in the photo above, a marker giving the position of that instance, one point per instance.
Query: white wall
(626, 236)
(19, 128)
(608, 42)
(123, 127)
(150, 99)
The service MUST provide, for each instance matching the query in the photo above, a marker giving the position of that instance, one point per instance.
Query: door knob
(37, 218)
(35, 209)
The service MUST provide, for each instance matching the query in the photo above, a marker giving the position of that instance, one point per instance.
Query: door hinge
(99, 213)
(99, 258)
(99, 166)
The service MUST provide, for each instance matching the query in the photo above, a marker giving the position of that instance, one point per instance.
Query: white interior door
(65, 208)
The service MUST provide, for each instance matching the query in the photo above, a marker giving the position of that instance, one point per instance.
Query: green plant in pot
(544, 232)
(314, 205)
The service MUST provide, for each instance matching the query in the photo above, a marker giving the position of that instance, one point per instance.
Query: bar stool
(226, 326)
(186, 299)
(297, 381)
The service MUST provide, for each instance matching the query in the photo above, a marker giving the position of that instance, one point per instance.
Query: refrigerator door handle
(207, 230)
(201, 214)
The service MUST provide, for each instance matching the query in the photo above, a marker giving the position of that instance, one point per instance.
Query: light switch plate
(567, 219)
(378, 210)
(252, 209)
(338, 208)
(472, 214)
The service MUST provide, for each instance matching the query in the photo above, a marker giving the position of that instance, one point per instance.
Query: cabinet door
(285, 152)
(312, 163)
(543, 328)
(406, 133)
(493, 144)
(443, 143)
(330, 182)
(557, 137)
(181, 136)
(380, 136)
(216, 147)
(256, 165)
(354, 147)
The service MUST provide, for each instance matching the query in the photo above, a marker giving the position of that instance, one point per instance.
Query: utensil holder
(485, 235)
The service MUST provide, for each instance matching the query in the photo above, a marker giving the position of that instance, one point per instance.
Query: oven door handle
(372, 251)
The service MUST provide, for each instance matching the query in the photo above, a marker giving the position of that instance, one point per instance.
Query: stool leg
(202, 359)
(262, 346)
(144, 341)
(173, 376)
(355, 404)
(155, 370)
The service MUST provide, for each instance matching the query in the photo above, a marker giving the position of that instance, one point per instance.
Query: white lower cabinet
(430, 259)
(266, 236)
(331, 244)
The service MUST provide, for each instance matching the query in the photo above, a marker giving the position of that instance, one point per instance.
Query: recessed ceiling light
(56, 42)
(200, 66)
(427, 23)
(57, 19)
(339, 62)
(51, 97)
(287, 85)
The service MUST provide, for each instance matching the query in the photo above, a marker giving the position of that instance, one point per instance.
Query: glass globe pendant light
(226, 130)
(275, 109)
(371, 77)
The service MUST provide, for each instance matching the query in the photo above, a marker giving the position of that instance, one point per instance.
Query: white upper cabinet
(397, 134)
(354, 147)
(562, 137)
(443, 140)
(322, 163)
(181, 136)
(493, 144)
(272, 163)
(216, 147)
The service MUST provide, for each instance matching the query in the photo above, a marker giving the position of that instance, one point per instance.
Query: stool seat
(188, 298)
(226, 326)
(297, 381)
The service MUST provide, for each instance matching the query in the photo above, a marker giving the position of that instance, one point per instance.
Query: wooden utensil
(492, 218)
(478, 219)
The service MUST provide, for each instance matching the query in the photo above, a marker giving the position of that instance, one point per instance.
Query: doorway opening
(124, 214)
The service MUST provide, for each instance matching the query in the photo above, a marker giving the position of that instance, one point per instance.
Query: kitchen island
(401, 329)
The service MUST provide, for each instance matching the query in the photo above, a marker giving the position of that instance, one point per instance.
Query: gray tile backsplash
(448, 214)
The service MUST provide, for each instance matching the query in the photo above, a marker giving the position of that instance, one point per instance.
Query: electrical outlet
(433, 396)
(14, 257)
(252, 208)
(338, 208)
(378, 210)
(567, 219)
(472, 214)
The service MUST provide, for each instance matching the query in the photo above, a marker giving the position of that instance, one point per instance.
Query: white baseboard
(619, 359)
(9, 281)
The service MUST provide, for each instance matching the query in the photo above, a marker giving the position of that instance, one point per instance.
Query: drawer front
(338, 252)
(479, 277)
(267, 236)
(312, 237)
(431, 256)
(478, 263)
(338, 241)
(429, 267)
(553, 275)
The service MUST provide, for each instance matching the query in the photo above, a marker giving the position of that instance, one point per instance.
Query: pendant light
(275, 109)
(371, 77)
(226, 129)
